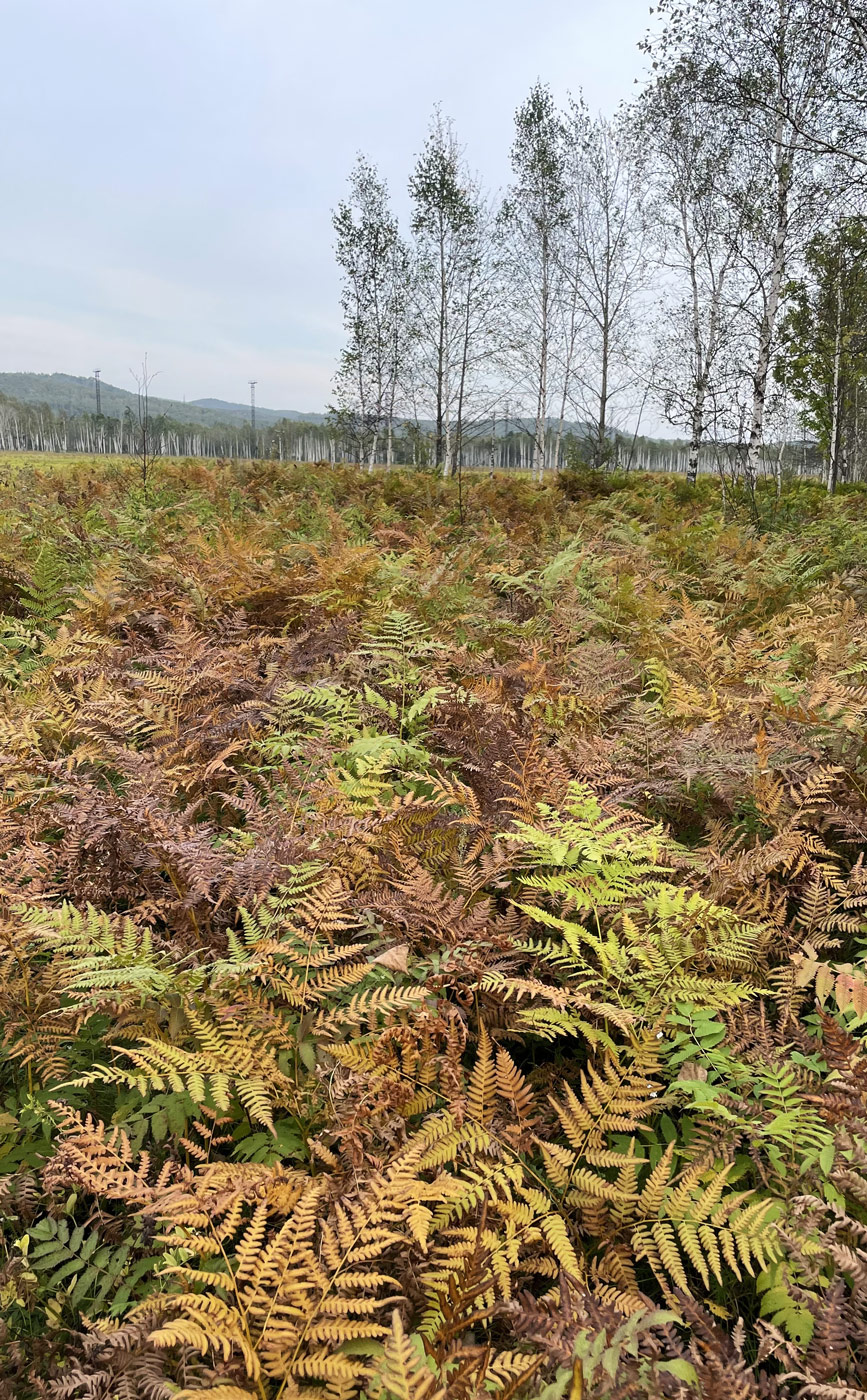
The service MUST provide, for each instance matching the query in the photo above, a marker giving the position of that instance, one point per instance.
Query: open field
(432, 936)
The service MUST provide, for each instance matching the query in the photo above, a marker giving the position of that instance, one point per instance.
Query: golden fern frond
(207, 1324)
(367, 1006)
(301, 1287)
(483, 1081)
(617, 1097)
(217, 1392)
(100, 1161)
(227, 1060)
(701, 1225)
(404, 1372)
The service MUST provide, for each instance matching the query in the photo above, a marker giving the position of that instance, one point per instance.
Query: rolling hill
(74, 394)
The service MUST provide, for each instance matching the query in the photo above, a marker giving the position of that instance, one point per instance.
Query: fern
(295, 1294)
(646, 942)
(20, 652)
(44, 596)
(431, 936)
(404, 1372)
(702, 1226)
(302, 711)
(223, 1062)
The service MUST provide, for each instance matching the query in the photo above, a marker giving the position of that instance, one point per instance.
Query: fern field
(433, 937)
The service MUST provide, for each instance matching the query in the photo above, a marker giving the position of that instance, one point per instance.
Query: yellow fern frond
(404, 1372)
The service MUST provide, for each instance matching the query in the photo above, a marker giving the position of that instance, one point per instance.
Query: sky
(168, 168)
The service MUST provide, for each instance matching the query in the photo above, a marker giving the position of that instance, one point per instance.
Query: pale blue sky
(168, 167)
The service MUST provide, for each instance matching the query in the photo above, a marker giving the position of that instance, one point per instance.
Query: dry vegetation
(432, 947)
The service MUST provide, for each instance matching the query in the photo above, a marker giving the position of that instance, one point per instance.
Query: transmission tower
(96, 374)
(253, 383)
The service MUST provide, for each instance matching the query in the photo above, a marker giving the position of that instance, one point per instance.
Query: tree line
(502, 444)
(698, 257)
(39, 428)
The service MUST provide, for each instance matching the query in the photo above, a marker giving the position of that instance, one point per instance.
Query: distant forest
(500, 444)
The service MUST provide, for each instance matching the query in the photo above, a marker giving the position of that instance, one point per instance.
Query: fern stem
(192, 913)
(242, 1311)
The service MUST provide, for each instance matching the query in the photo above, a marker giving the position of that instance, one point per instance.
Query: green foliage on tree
(823, 359)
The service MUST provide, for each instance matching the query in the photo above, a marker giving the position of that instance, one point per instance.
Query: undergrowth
(432, 937)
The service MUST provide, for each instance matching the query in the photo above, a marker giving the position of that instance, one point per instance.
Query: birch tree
(607, 268)
(374, 264)
(480, 325)
(823, 358)
(699, 226)
(534, 220)
(445, 225)
(147, 430)
(840, 39)
(767, 67)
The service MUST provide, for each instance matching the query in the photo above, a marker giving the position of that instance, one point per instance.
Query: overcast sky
(168, 167)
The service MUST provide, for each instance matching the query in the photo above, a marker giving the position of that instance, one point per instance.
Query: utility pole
(253, 383)
(96, 374)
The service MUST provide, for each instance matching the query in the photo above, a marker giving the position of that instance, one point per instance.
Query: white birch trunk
(771, 305)
(834, 444)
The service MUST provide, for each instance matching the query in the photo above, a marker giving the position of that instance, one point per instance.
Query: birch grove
(767, 76)
(642, 263)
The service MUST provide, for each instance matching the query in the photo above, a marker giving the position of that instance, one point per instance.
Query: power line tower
(96, 374)
(253, 383)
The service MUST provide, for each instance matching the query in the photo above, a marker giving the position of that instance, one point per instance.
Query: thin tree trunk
(459, 435)
(441, 370)
(448, 461)
(696, 435)
(701, 364)
(602, 427)
(771, 306)
(834, 443)
(570, 351)
(542, 397)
